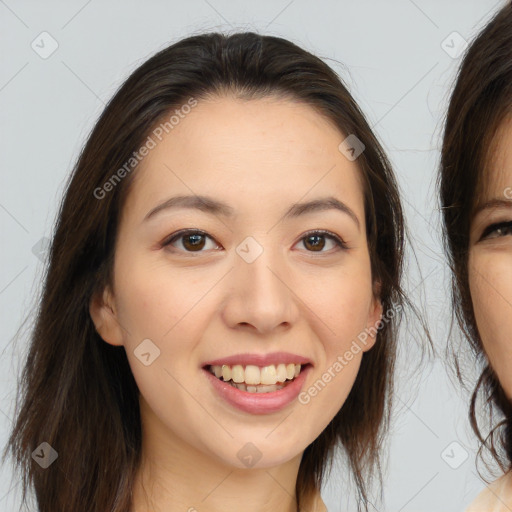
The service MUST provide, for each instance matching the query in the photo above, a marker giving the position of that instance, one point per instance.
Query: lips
(261, 399)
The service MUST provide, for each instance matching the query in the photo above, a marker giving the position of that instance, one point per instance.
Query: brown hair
(480, 101)
(77, 392)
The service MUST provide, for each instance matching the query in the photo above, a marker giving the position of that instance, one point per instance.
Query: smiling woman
(475, 190)
(187, 310)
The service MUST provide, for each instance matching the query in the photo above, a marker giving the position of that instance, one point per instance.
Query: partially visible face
(253, 282)
(490, 259)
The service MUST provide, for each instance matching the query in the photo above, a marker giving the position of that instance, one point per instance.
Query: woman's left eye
(497, 230)
(195, 241)
(316, 239)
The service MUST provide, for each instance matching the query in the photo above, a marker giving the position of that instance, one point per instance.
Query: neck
(176, 476)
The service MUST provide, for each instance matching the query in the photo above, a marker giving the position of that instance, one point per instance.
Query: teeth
(281, 373)
(237, 373)
(226, 372)
(257, 389)
(268, 375)
(253, 376)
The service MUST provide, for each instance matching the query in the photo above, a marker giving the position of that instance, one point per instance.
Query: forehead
(496, 174)
(248, 150)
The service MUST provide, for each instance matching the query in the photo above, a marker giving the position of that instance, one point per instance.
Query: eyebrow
(212, 206)
(493, 203)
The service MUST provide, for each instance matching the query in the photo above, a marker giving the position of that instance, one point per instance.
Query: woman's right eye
(192, 241)
(497, 230)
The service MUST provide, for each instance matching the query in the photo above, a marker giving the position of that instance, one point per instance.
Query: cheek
(490, 280)
(340, 317)
(161, 314)
(343, 301)
(156, 302)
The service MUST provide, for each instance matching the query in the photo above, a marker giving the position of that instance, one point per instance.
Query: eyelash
(327, 234)
(495, 227)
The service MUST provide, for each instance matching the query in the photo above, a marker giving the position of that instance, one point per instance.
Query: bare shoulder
(496, 497)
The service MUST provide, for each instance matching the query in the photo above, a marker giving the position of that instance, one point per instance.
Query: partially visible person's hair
(77, 392)
(480, 102)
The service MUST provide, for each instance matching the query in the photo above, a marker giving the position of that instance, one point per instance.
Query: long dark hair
(77, 392)
(481, 99)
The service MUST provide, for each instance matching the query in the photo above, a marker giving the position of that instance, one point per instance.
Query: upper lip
(259, 359)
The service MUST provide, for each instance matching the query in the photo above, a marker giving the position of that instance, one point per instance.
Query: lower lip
(259, 403)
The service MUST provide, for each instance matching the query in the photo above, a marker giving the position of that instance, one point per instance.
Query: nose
(260, 295)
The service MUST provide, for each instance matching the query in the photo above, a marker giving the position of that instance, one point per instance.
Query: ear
(374, 317)
(104, 317)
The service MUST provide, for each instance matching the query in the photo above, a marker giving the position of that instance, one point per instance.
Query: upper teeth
(255, 375)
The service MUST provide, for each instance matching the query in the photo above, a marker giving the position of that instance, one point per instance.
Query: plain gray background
(398, 58)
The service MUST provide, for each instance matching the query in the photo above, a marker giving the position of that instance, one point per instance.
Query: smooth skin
(490, 259)
(259, 157)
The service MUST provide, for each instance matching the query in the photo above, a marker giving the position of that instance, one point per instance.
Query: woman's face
(490, 259)
(250, 286)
